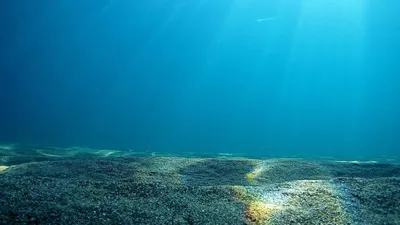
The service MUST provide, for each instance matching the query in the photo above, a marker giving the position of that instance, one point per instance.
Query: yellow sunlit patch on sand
(259, 212)
(3, 168)
(252, 176)
(256, 172)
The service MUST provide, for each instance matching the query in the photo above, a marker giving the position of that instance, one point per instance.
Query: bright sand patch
(3, 168)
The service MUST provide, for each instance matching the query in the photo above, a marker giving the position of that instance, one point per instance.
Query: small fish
(265, 19)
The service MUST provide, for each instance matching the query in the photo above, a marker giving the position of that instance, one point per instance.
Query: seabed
(88, 186)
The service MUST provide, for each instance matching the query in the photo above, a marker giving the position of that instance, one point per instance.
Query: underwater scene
(200, 112)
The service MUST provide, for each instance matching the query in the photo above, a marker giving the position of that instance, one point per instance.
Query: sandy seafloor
(87, 186)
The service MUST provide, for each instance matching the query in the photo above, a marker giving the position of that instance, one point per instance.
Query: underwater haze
(271, 78)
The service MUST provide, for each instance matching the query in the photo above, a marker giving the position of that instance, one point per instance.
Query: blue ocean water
(273, 78)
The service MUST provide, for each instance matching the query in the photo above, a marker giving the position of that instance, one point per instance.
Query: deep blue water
(263, 77)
